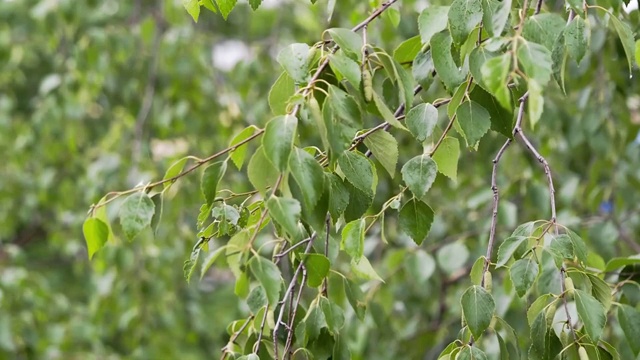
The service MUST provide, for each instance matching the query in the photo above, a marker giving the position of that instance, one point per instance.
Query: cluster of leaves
(315, 183)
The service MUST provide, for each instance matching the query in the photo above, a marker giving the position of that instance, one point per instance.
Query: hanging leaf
(193, 8)
(317, 266)
(535, 102)
(269, 277)
(255, 4)
(471, 353)
(508, 247)
(464, 15)
(349, 42)
(415, 220)
(421, 120)
(353, 238)
(333, 315)
(339, 195)
(356, 298)
(357, 169)
(285, 212)
(277, 140)
(96, 234)
(135, 214)
(280, 92)
(211, 259)
(494, 74)
(419, 174)
(239, 154)
(543, 28)
(294, 59)
(446, 157)
(260, 171)
(474, 120)
(523, 274)
(478, 307)
(385, 148)
(407, 50)
(446, 67)
(210, 179)
(576, 37)
(362, 268)
(308, 174)
(346, 67)
(431, 21)
(629, 319)
(495, 16)
(591, 313)
(226, 6)
(626, 38)
(536, 60)
(173, 170)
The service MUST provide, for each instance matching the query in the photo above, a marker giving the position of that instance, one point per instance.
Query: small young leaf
(255, 4)
(317, 266)
(474, 120)
(419, 174)
(294, 59)
(464, 15)
(285, 212)
(431, 21)
(478, 307)
(280, 92)
(173, 170)
(592, 314)
(96, 234)
(415, 220)
(523, 274)
(353, 238)
(407, 50)
(308, 175)
(269, 277)
(349, 41)
(136, 213)
(446, 157)
(277, 140)
(239, 154)
(629, 319)
(421, 120)
(226, 6)
(193, 8)
(357, 169)
(210, 179)
(494, 74)
(385, 148)
(211, 259)
(448, 71)
(362, 268)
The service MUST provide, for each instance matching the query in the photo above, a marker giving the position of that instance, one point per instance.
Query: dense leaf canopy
(326, 179)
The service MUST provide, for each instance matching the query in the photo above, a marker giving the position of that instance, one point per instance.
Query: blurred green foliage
(102, 96)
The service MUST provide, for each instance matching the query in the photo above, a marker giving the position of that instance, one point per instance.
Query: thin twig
(256, 345)
(279, 255)
(235, 336)
(538, 7)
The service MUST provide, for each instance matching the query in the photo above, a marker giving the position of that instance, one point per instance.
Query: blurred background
(97, 96)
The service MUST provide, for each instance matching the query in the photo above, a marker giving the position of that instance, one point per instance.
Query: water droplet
(630, 76)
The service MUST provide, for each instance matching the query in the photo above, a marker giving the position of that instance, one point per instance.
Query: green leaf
(423, 69)
(346, 67)
(226, 6)
(269, 277)
(619, 262)
(385, 148)
(626, 37)
(317, 266)
(495, 16)
(308, 174)
(464, 15)
(362, 268)
(415, 220)
(638, 52)
(477, 308)
(523, 274)
(561, 247)
(535, 102)
(255, 4)
(241, 288)
(536, 60)
(135, 214)
(419, 174)
(193, 8)
(537, 306)
(240, 153)
(285, 212)
(387, 115)
(190, 264)
(357, 169)
(355, 297)
(576, 37)
(280, 92)
(407, 50)
(600, 290)
(471, 353)
(353, 238)
(578, 246)
(359, 202)
(208, 4)
(260, 171)
(501, 118)
(446, 157)
(508, 247)
(96, 234)
(477, 58)
(421, 120)
(211, 259)
(210, 179)
(629, 319)
(592, 314)
(448, 71)
(559, 56)
(257, 299)
(173, 170)
(494, 74)
(333, 315)
(431, 21)
(277, 140)
(452, 257)
(543, 28)
(349, 42)
(339, 195)
(474, 120)
(294, 59)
